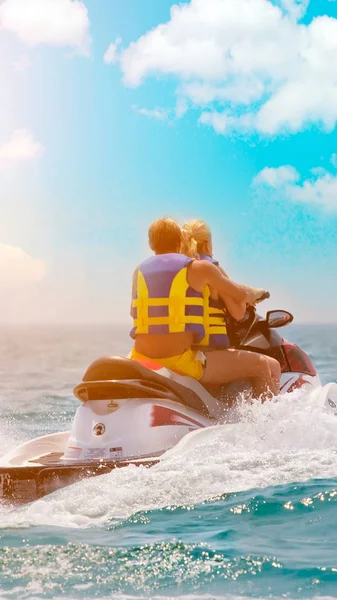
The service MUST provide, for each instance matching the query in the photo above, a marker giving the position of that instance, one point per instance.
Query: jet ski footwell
(20, 485)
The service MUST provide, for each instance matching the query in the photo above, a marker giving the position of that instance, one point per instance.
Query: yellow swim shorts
(189, 363)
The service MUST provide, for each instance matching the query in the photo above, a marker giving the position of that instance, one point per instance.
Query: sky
(114, 113)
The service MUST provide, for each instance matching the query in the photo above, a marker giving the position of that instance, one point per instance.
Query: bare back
(163, 345)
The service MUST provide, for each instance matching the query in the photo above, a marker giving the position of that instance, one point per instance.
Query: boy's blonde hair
(196, 235)
(164, 236)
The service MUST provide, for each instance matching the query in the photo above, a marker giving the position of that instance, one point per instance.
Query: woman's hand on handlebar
(264, 296)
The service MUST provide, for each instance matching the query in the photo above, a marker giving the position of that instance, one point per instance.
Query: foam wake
(291, 439)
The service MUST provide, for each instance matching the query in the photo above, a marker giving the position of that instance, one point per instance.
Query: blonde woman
(197, 243)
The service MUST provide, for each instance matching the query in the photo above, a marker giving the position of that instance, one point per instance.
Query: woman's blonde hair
(195, 236)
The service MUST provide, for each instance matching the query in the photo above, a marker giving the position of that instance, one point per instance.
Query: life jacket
(215, 325)
(209, 259)
(163, 301)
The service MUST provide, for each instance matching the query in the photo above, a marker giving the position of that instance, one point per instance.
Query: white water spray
(291, 439)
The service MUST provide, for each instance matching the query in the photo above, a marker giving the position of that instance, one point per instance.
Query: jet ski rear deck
(20, 485)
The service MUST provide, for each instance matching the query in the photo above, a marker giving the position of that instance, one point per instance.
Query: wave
(253, 543)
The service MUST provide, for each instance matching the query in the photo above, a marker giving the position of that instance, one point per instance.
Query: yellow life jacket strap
(216, 321)
(216, 311)
(144, 303)
(147, 321)
(216, 330)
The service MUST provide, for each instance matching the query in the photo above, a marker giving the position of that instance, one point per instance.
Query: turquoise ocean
(247, 510)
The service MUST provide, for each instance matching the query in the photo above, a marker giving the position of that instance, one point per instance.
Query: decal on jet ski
(95, 453)
(300, 381)
(99, 429)
(286, 383)
(116, 452)
(166, 416)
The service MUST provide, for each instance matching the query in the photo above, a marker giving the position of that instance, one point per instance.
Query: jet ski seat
(124, 372)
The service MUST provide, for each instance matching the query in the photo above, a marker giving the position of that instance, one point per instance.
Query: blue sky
(115, 113)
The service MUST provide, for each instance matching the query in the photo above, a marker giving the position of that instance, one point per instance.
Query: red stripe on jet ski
(149, 364)
(166, 416)
(298, 384)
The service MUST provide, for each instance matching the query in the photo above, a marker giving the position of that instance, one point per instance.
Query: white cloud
(224, 122)
(334, 160)
(164, 114)
(51, 22)
(296, 9)
(21, 146)
(277, 177)
(160, 114)
(22, 63)
(90, 282)
(249, 65)
(181, 107)
(17, 268)
(320, 190)
(111, 55)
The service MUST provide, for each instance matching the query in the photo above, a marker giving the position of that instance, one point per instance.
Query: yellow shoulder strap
(177, 307)
(142, 305)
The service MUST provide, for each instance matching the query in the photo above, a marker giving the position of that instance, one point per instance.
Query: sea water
(234, 511)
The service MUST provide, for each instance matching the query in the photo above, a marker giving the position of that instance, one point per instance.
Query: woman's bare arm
(223, 272)
(236, 309)
(201, 273)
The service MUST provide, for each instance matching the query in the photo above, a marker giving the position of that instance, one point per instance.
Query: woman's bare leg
(225, 366)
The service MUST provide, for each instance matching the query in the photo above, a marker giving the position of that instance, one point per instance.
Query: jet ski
(132, 412)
